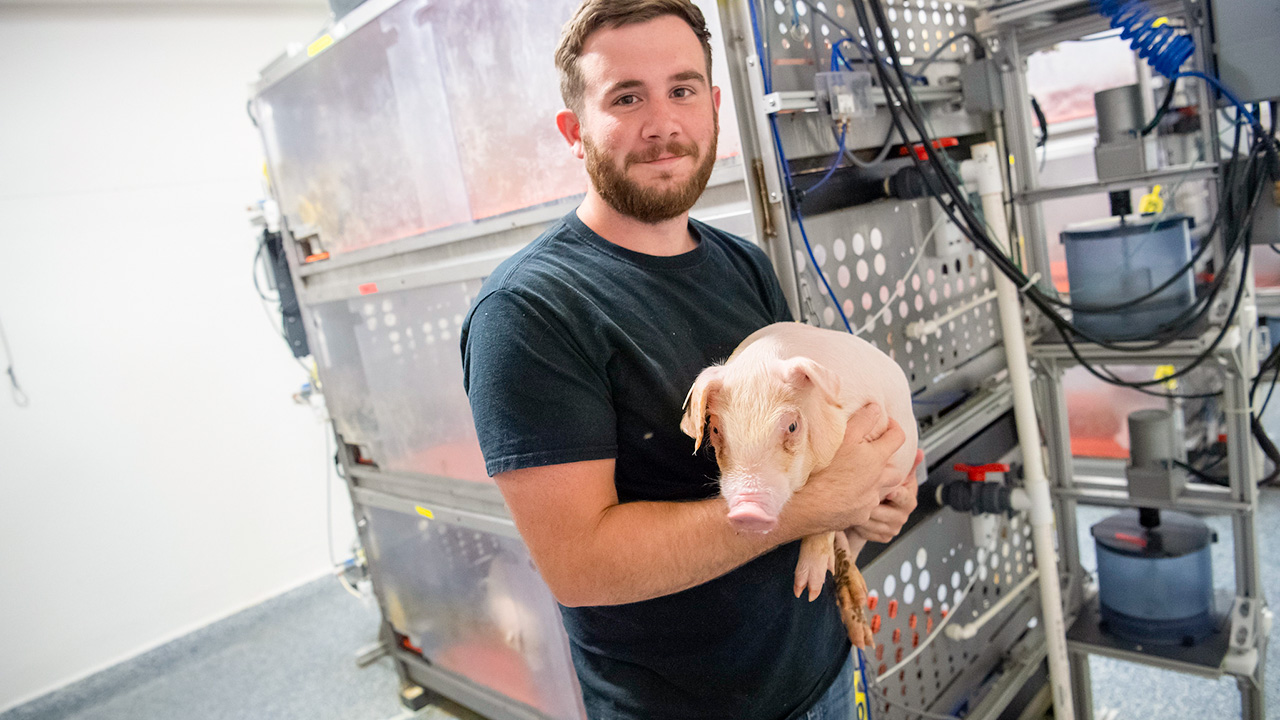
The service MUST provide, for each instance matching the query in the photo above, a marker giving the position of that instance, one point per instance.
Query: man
(578, 353)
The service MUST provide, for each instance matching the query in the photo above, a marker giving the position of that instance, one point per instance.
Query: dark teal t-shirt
(578, 349)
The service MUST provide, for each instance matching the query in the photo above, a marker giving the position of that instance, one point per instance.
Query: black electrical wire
(1041, 121)
(979, 48)
(1164, 108)
(903, 105)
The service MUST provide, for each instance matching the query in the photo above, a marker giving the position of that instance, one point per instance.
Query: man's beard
(646, 204)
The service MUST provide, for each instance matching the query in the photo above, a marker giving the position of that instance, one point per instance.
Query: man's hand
(846, 492)
(891, 514)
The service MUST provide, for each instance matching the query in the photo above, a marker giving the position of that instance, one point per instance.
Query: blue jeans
(837, 702)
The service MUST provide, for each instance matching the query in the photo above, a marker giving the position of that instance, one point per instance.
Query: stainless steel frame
(1235, 359)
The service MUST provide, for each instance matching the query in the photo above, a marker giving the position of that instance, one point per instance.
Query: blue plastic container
(1155, 585)
(1117, 259)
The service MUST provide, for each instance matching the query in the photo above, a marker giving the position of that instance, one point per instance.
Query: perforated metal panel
(866, 253)
(919, 581)
(392, 374)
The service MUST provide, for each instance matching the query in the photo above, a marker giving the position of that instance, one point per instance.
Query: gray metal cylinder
(1119, 112)
(1150, 437)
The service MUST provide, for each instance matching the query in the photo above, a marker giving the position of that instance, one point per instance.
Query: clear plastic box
(844, 94)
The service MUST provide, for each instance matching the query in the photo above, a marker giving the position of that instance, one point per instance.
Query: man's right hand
(844, 493)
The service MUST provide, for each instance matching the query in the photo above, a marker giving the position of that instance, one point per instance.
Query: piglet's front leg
(851, 592)
(817, 558)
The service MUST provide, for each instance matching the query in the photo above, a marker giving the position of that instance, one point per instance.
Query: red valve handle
(978, 473)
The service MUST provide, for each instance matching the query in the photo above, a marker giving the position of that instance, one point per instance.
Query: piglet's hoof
(851, 597)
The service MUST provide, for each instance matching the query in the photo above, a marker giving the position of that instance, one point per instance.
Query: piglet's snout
(752, 508)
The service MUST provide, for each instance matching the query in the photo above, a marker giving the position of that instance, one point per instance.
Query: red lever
(978, 473)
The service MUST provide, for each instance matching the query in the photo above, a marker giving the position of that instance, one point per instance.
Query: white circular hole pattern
(982, 558)
(801, 8)
(842, 276)
(838, 249)
(922, 555)
(801, 260)
(877, 239)
(924, 580)
(903, 308)
(982, 574)
(847, 306)
(968, 570)
(955, 576)
(1004, 549)
(995, 561)
(866, 301)
(909, 594)
(829, 317)
(820, 254)
(779, 7)
(863, 271)
(859, 244)
(879, 263)
(884, 294)
(890, 585)
(942, 593)
(904, 573)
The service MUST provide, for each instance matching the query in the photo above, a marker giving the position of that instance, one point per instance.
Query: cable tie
(1030, 281)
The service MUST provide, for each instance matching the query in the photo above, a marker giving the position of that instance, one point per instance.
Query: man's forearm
(642, 550)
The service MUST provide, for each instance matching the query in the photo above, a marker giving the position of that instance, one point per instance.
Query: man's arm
(593, 550)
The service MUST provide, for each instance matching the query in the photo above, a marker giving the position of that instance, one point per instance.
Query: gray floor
(292, 658)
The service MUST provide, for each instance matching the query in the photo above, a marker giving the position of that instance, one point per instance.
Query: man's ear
(703, 391)
(571, 130)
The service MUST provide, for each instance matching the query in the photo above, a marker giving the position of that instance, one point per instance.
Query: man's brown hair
(593, 15)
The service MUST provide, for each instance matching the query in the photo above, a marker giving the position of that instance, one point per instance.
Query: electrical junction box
(947, 240)
(844, 94)
(1247, 38)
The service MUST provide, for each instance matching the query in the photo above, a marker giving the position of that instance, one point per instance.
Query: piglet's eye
(791, 428)
(715, 430)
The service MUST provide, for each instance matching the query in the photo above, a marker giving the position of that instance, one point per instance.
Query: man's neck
(669, 237)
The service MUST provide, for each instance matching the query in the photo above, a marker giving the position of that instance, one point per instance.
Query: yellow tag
(424, 512)
(319, 45)
(1151, 202)
(1165, 371)
(1010, 158)
(1161, 21)
(860, 704)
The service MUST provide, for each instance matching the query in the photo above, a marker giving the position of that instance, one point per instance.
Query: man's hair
(593, 15)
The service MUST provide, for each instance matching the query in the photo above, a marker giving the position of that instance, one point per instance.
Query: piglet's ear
(803, 373)
(695, 403)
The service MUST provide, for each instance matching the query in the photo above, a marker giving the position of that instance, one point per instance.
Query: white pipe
(964, 632)
(921, 328)
(985, 170)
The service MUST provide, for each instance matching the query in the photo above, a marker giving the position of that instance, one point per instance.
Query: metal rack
(1018, 30)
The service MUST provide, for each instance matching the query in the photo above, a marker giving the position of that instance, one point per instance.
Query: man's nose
(663, 121)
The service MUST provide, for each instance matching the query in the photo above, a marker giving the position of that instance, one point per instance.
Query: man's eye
(682, 92)
(626, 100)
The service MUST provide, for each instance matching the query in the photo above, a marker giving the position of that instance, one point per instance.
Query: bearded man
(577, 355)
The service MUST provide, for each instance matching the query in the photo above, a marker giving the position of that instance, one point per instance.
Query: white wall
(161, 477)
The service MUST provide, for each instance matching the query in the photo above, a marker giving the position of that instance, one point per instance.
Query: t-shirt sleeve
(536, 398)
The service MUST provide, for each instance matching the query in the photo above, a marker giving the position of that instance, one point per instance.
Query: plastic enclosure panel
(392, 373)
(865, 253)
(475, 606)
(920, 580)
(430, 116)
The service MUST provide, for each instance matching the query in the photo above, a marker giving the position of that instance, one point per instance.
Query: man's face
(649, 120)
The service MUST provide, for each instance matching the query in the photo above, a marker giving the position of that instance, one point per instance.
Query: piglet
(775, 412)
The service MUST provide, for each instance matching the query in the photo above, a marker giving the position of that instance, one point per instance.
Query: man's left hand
(891, 514)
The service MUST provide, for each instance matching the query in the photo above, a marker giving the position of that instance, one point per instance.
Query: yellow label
(1010, 158)
(860, 706)
(1165, 371)
(1160, 22)
(319, 45)
(424, 512)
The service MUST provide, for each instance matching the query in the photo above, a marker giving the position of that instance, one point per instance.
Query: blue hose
(1156, 42)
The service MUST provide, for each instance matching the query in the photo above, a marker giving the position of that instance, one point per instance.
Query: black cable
(979, 50)
(1164, 108)
(1041, 121)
